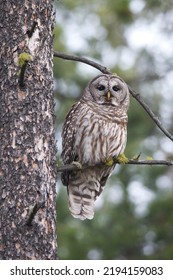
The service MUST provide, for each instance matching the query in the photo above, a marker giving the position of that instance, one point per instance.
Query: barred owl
(94, 131)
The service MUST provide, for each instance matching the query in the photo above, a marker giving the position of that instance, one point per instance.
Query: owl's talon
(122, 159)
(77, 164)
(109, 161)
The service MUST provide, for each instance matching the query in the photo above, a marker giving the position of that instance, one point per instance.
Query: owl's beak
(108, 95)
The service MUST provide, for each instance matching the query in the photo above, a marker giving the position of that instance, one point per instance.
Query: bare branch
(34, 211)
(23, 60)
(94, 64)
(104, 70)
(151, 162)
(72, 167)
(21, 76)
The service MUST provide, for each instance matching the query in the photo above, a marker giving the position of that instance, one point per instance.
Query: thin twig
(34, 211)
(23, 60)
(22, 75)
(104, 70)
(150, 113)
(72, 167)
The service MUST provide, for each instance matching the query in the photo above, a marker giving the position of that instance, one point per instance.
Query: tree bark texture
(27, 138)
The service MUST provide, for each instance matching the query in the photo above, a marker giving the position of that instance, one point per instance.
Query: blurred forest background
(133, 38)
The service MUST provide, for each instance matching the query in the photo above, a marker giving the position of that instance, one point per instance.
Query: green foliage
(101, 30)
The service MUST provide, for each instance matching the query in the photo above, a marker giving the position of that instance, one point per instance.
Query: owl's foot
(122, 159)
(110, 161)
(77, 164)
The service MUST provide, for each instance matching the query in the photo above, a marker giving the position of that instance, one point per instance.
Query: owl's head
(107, 90)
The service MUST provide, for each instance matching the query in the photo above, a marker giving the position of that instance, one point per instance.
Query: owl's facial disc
(107, 90)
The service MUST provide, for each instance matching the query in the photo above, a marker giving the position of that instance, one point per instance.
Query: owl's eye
(116, 88)
(101, 87)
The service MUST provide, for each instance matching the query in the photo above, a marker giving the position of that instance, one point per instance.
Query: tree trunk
(27, 138)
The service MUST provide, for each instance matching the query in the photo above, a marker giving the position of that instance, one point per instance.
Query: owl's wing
(68, 154)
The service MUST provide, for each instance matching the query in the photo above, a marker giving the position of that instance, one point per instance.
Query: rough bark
(27, 138)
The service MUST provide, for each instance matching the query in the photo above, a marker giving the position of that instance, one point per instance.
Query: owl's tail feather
(81, 202)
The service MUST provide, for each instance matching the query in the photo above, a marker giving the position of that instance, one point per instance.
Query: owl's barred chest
(98, 139)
